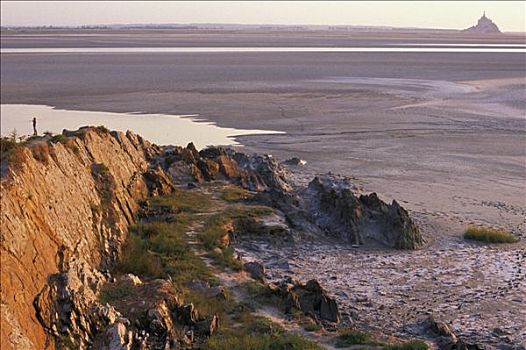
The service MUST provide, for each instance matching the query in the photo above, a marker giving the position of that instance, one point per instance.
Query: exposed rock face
(257, 173)
(483, 26)
(360, 218)
(255, 270)
(310, 298)
(65, 214)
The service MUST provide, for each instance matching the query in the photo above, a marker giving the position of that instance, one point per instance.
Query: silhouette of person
(35, 127)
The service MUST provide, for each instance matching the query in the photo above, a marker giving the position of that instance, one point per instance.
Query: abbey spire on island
(484, 25)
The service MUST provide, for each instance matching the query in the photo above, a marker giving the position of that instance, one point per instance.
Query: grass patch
(235, 194)
(102, 129)
(138, 260)
(182, 201)
(216, 230)
(115, 293)
(489, 235)
(59, 139)
(260, 294)
(258, 333)
(226, 259)
(216, 227)
(11, 151)
(159, 249)
(410, 345)
(312, 327)
(349, 337)
(210, 305)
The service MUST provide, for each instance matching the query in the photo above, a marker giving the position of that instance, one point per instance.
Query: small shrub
(260, 294)
(113, 293)
(410, 345)
(59, 138)
(182, 201)
(349, 337)
(40, 152)
(490, 235)
(227, 259)
(11, 152)
(235, 194)
(312, 327)
(258, 333)
(75, 150)
(102, 129)
(207, 305)
(137, 260)
(165, 251)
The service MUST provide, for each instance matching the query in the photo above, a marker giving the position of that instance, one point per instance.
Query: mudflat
(442, 133)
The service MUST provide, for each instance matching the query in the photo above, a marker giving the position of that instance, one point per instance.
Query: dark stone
(255, 270)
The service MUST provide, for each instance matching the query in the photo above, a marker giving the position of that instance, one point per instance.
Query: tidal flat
(443, 133)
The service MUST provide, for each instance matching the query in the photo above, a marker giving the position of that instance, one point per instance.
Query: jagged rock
(157, 182)
(208, 326)
(132, 279)
(295, 161)
(187, 314)
(446, 338)
(268, 225)
(464, 345)
(64, 219)
(311, 299)
(255, 270)
(118, 337)
(359, 218)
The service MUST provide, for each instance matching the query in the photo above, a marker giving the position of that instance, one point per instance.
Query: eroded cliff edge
(67, 203)
(65, 213)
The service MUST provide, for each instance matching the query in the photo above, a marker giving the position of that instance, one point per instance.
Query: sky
(508, 15)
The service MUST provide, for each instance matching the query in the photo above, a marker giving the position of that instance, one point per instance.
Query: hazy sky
(508, 15)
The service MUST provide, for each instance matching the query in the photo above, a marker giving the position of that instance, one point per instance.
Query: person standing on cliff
(35, 127)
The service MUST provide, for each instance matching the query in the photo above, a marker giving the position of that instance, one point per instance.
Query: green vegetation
(102, 129)
(349, 337)
(235, 194)
(490, 235)
(257, 333)
(157, 249)
(11, 151)
(225, 258)
(113, 293)
(215, 234)
(138, 260)
(312, 327)
(410, 345)
(217, 226)
(208, 305)
(182, 201)
(59, 138)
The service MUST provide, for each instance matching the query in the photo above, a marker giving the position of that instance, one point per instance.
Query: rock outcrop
(256, 173)
(483, 26)
(359, 218)
(65, 214)
(68, 202)
(309, 298)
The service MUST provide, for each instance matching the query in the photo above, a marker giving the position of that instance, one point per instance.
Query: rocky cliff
(65, 213)
(68, 200)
